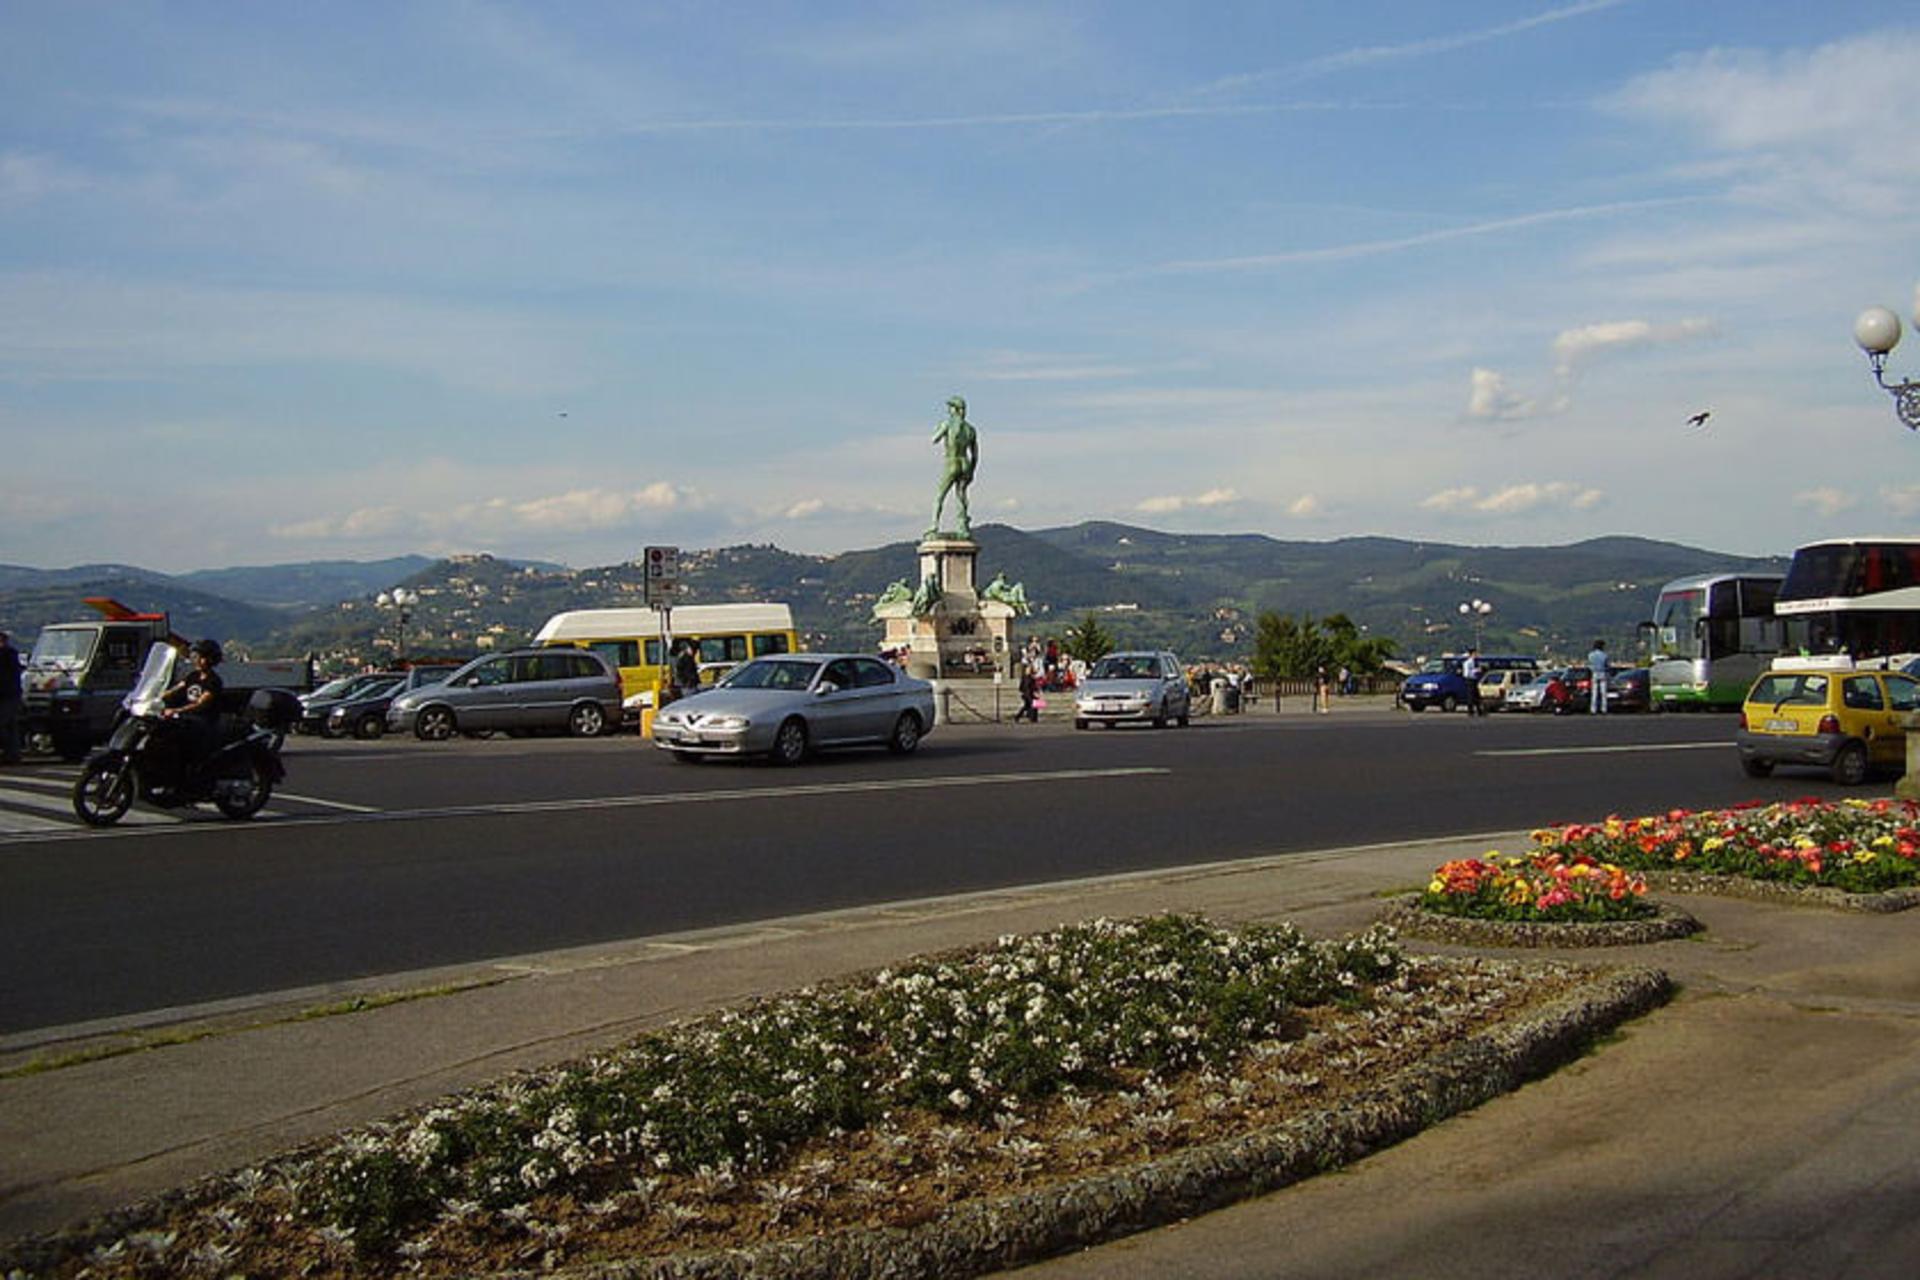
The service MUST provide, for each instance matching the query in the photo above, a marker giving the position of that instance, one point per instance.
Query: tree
(1088, 642)
(1294, 648)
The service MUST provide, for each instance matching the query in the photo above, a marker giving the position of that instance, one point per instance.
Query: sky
(348, 280)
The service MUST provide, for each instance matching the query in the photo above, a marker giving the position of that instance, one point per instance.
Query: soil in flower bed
(901, 1173)
(1659, 923)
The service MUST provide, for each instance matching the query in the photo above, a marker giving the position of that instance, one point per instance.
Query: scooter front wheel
(104, 792)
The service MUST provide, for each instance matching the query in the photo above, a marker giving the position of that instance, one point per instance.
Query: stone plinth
(945, 628)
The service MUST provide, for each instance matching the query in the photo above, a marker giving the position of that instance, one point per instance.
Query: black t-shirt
(9, 674)
(183, 693)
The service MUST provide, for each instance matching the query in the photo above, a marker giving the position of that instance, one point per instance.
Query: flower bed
(1537, 900)
(1862, 848)
(1030, 1087)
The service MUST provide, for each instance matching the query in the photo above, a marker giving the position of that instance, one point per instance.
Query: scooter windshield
(156, 677)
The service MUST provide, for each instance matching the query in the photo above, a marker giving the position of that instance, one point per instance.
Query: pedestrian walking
(1029, 691)
(1470, 672)
(1597, 663)
(1346, 682)
(10, 701)
(1322, 691)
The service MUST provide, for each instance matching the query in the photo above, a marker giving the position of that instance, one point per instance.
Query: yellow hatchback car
(1837, 718)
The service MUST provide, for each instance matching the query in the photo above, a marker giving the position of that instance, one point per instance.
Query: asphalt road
(393, 856)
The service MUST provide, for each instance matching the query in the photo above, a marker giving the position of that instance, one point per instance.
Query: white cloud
(1826, 500)
(1514, 499)
(1305, 507)
(1169, 504)
(1904, 502)
(574, 511)
(1492, 399)
(1833, 98)
(1573, 349)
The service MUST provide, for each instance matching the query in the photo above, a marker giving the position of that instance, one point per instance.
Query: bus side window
(765, 644)
(653, 653)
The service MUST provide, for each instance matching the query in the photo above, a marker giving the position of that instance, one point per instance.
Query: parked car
(1496, 687)
(315, 707)
(1627, 690)
(363, 714)
(1143, 687)
(1440, 684)
(525, 691)
(787, 706)
(1831, 717)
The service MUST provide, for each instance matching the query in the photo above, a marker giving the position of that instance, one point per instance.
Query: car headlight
(725, 722)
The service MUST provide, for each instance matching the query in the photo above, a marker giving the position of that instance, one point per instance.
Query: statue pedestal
(946, 629)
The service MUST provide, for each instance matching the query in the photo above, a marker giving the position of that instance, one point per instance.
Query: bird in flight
(1700, 419)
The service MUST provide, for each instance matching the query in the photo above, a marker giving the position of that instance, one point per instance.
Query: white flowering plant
(968, 1036)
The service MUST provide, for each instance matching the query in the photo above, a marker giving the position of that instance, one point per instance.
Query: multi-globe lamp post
(399, 602)
(1878, 331)
(1476, 610)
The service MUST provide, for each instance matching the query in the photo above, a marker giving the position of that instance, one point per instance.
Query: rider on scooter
(193, 703)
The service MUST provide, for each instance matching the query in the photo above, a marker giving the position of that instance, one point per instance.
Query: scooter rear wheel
(239, 798)
(104, 792)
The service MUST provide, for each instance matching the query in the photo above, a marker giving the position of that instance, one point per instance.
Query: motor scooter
(151, 757)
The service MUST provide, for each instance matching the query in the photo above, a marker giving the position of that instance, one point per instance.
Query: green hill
(1196, 593)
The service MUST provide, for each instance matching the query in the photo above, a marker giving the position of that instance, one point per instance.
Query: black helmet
(208, 649)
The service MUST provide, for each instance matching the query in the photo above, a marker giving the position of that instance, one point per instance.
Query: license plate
(1783, 726)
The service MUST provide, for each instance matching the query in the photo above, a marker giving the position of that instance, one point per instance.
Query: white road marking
(326, 804)
(1625, 749)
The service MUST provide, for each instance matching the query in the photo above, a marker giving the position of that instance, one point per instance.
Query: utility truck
(78, 673)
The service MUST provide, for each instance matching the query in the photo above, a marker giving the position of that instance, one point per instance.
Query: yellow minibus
(727, 634)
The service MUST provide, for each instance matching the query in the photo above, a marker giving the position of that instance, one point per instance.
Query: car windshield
(333, 688)
(1114, 667)
(378, 688)
(1440, 666)
(63, 647)
(1782, 689)
(771, 673)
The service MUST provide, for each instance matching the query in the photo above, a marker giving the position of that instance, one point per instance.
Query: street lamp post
(1477, 610)
(1877, 331)
(399, 602)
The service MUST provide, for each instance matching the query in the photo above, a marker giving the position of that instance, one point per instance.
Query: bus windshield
(1676, 619)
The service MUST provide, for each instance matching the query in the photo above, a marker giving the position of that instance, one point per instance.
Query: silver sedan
(784, 707)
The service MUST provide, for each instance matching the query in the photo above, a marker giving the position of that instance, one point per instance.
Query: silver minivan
(525, 691)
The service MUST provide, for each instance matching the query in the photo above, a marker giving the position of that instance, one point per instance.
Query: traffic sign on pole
(663, 574)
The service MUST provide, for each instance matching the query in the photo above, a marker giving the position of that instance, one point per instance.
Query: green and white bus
(1711, 637)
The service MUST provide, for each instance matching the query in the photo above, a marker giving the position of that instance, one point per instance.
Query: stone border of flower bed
(1782, 891)
(980, 1237)
(1410, 918)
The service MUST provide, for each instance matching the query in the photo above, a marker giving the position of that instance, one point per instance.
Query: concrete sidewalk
(1766, 1123)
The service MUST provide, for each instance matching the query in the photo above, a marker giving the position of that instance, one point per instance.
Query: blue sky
(562, 280)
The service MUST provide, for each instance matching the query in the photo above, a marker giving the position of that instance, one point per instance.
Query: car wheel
(906, 734)
(790, 742)
(434, 725)
(1079, 723)
(588, 720)
(369, 727)
(104, 792)
(1449, 702)
(1160, 718)
(1184, 719)
(241, 798)
(1850, 765)
(1758, 768)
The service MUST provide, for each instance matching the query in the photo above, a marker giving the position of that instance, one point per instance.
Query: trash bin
(1219, 689)
(1233, 697)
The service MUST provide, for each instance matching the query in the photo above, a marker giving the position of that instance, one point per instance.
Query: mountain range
(1197, 593)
